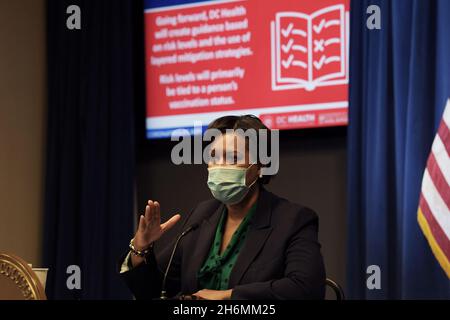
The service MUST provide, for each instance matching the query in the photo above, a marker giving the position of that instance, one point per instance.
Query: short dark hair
(243, 122)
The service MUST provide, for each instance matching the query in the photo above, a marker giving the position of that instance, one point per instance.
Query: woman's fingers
(142, 224)
(157, 212)
(170, 223)
(147, 213)
(152, 217)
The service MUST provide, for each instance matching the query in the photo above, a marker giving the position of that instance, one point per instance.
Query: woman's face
(230, 150)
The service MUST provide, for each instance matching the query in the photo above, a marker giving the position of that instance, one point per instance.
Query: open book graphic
(310, 50)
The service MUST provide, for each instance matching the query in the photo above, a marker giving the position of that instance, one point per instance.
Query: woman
(250, 243)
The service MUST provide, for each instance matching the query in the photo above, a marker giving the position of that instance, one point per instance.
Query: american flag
(434, 205)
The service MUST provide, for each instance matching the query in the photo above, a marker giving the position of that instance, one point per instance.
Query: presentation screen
(285, 61)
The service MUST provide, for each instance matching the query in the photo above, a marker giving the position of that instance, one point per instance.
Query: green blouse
(216, 270)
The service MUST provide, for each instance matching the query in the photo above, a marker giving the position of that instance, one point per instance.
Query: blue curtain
(90, 156)
(399, 83)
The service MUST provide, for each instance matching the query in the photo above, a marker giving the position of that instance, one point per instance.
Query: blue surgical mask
(227, 184)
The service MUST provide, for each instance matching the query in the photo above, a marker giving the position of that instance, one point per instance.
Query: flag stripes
(434, 204)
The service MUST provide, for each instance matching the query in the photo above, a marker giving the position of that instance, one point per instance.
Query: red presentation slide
(285, 61)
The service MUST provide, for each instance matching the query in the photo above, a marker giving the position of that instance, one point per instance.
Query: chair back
(18, 281)
(337, 289)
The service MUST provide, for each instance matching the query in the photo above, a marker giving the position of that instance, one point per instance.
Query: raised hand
(150, 228)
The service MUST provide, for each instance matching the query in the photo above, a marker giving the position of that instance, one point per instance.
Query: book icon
(309, 51)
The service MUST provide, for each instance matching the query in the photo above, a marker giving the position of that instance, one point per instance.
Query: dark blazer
(280, 259)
